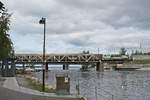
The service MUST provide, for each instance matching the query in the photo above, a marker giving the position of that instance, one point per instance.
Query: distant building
(107, 57)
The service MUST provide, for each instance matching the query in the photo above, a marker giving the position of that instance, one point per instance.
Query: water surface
(110, 85)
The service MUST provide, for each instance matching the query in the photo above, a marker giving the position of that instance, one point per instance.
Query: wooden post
(99, 66)
(65, 66)
(46, 67)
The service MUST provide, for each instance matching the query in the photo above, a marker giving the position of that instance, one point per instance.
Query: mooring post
(46, 67)
(65, 66)
(23, 65)
(99, 66)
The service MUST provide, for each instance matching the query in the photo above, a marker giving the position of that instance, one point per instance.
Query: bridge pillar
(23, 66)
(84, 67)
(99, 67)
(65, 66)
(46, 66)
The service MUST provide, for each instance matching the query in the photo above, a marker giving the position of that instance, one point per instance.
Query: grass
(141, 62)
(81, 98)
(38, 86)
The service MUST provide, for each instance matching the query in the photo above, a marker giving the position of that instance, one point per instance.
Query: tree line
(6, 45)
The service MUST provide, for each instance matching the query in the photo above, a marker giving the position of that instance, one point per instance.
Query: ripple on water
(119, 85)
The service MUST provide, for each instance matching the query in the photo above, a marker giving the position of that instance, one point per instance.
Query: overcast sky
(77, 25)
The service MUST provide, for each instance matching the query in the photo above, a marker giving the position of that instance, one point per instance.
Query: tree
(123, 51)
(86, 52)
(6, 45)
(2, 6)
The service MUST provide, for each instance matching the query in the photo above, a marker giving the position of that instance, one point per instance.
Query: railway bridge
(64, 59)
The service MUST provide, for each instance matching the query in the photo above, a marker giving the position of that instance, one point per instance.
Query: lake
(108, 85)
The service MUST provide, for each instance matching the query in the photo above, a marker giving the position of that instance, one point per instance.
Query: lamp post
(43, 21)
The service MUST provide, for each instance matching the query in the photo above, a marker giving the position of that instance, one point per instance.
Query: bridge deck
(58, 58)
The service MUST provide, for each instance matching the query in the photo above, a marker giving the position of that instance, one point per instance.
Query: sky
(76, 25)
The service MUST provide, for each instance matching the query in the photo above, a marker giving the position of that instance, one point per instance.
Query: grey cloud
(66, 16)
(135, 13)
(79, 40)
(31, 7)
(121, 13)
(88, 4)
(109, 23)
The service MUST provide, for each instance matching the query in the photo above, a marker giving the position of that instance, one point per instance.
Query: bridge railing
(76, 58)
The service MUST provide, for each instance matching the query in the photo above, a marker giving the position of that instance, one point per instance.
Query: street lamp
(43, 21)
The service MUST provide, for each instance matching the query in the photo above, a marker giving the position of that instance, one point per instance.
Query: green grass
(141, 62)
(81, 98)
(38, 86)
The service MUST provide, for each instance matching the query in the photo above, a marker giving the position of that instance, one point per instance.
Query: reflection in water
(123, 77)
(124, 85)
(85, 75)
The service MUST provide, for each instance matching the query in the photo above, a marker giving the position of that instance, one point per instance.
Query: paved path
(1, 81)
(7, 94)
(11, 91)
(12, 84)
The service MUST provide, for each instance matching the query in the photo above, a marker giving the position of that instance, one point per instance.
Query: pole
(95, 93)
(78, 88)
(43, 85)
(112, 98)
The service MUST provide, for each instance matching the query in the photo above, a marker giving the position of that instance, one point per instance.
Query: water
(110, 85)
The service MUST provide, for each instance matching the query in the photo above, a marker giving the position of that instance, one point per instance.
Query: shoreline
(11, 84)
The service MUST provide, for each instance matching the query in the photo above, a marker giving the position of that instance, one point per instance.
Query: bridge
(64, 59)
(58, 58)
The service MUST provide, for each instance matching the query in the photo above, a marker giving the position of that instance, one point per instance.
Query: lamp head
(42, 21)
